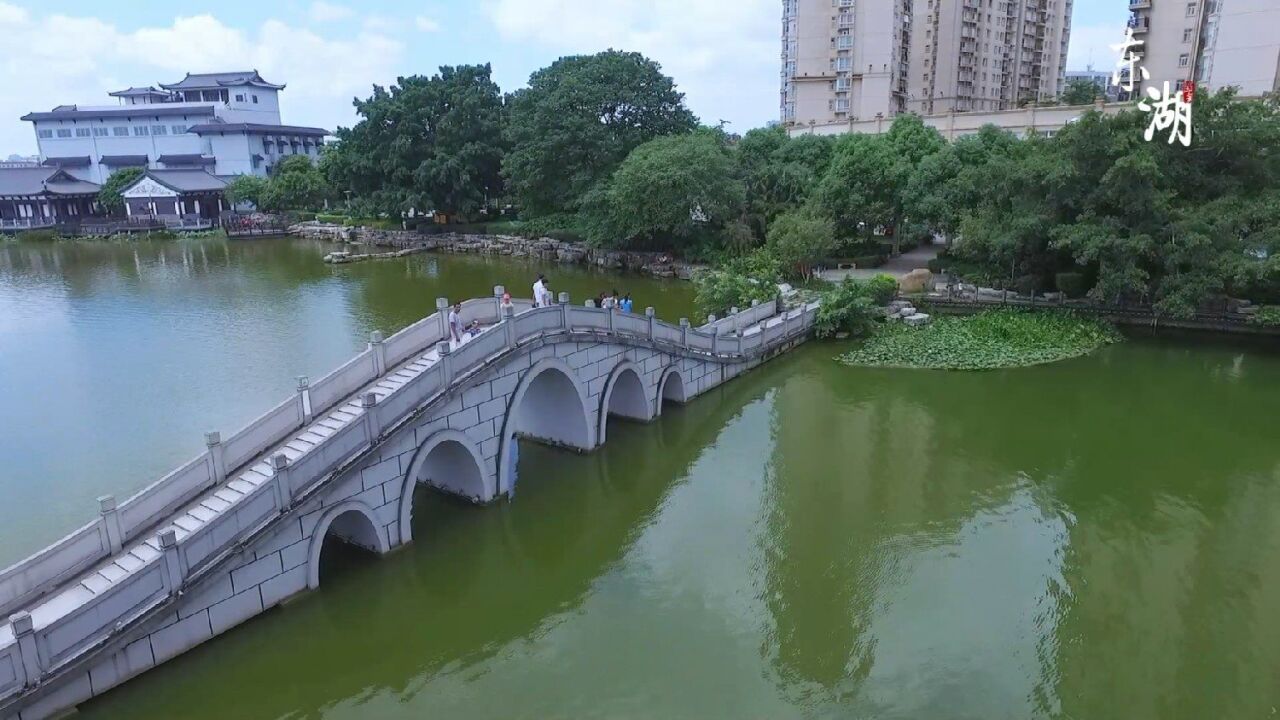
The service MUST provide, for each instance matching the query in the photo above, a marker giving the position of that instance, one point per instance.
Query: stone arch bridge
(239, 529)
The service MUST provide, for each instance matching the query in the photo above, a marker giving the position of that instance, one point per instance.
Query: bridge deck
(59, 614)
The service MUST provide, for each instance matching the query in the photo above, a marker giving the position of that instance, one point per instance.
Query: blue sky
(722, 53)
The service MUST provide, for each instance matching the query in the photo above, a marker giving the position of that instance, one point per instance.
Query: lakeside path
(897, 266)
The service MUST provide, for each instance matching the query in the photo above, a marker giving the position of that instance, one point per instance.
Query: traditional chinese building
(43, 196)
(187, 194)
(224, 123)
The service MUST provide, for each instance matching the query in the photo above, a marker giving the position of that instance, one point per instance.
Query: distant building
(41, 196)
(20, 161)
(1099, 79)
(224, 123)
(854, 60)
(1215, 43)
(1044, 121)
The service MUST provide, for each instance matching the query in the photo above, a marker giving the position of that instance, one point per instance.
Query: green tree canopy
(430, 143)
(295, 184)
(779, 172)
(578, 119)
(1079, 91)
(245, 188)
(798, 240)
(667, 192)
(109, 197)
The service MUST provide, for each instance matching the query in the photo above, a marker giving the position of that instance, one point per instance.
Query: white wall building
(1215, 43)
(225, 123)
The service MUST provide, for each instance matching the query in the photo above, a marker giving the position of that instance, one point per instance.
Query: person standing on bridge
(540, 292)
(455, 323)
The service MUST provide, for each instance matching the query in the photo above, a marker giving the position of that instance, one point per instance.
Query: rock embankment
(546, 249)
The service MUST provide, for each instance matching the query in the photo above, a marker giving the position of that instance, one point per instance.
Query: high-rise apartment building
(1216, 43)
(853, 59)
(987, 54)
(844, 59)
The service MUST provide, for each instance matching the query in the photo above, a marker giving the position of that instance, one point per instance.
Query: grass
(986, 341)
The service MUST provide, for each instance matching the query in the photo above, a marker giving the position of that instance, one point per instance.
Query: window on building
(179, 129)
(83, 132)
(120, 131)
(64, 132)
(140, 130)
(99, 132)
(44, 133)
(1188, 35)
(159, 130)
(1191, 9)
(255, 99)
(1184, 60)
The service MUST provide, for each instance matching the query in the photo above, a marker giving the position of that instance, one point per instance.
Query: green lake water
(1096, 538)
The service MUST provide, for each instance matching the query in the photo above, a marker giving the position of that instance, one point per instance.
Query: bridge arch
(353, 522)
(625, 396)
(450, 461)
(550, 405)
(670, 387)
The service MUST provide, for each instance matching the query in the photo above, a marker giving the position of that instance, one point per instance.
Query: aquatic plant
(986, 341)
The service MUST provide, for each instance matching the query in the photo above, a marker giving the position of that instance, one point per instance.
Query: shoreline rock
(547, 249)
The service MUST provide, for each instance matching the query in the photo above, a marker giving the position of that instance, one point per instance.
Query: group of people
(542, 297)
(612, 301)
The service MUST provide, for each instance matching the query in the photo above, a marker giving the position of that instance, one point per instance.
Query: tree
(1079, 91)
(578, 120)
(911, 142)
(245, 189)
(430, 143)
(779, 172)
(295, 184)
(798, 239)
(667, 192)
(109, 197)
(857, 191)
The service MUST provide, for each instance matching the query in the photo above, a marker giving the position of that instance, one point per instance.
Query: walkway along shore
(548, 249)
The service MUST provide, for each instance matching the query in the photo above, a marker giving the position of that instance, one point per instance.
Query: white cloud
(81, 59)
(426, 24)
(723, 57)
(322, 11)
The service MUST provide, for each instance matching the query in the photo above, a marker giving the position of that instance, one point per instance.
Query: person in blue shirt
(626, 303)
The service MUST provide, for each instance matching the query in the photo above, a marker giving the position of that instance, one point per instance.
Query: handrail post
(29, 655)
(379, 349)
(508, 316)
(217, 457)
(715, 342)
(610, 312)
(369, 401)
(648, 313)
(684, 332)
(446, 363)
(304, 398)
(280, 481)
(498, 292)
(174, 573)
(733, 313)
(111, 522)
(564, 312)
(442, 309)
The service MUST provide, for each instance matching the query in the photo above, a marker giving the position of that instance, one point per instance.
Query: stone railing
(37, 644)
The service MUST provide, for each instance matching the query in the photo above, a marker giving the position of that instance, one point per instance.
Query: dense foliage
(109, 197)
(245, 189)
(989, 340)
(851, 307)
(429, 143)
(736, 283)
(295, 184)
(578, 120)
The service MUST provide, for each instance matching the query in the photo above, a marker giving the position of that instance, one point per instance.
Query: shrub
(1026, 284)
(1071, 284)
(331, 218)
(737, 282)
(881, 289)
(846, 308)
(1267, 315)
(37, 236)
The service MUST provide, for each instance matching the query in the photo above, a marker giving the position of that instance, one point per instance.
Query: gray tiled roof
(257, 129)
(71, 112)
(186, 159)
(209, 81)
(123, 160)
(74, 161)
(33, 181)
(138, 92)
(186, 180)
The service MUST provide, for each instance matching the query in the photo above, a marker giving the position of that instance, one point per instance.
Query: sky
(723, 54)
